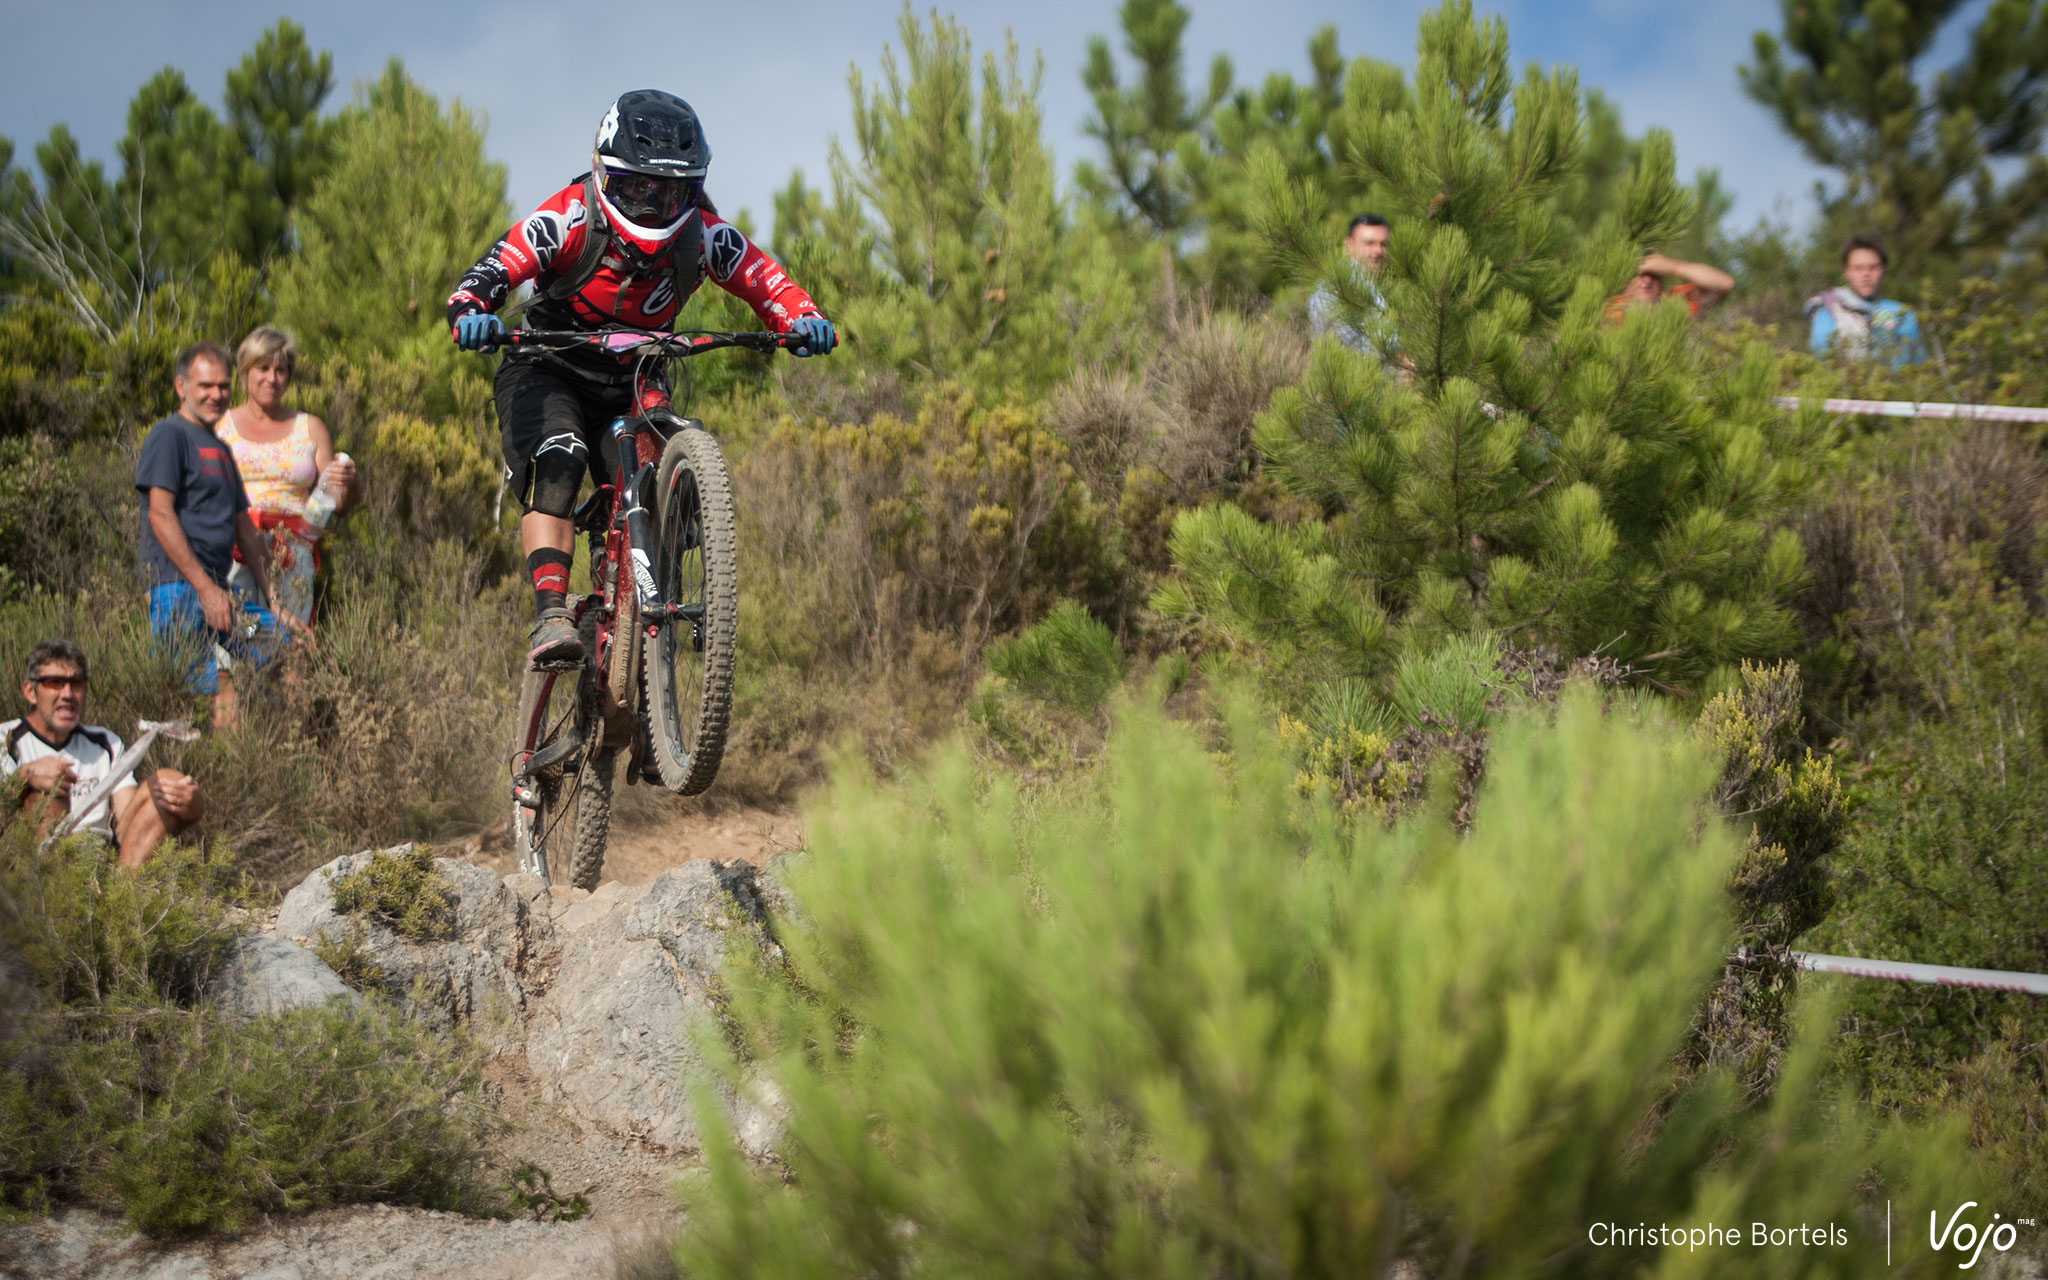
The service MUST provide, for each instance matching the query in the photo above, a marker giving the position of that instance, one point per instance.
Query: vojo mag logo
(1967, 1238)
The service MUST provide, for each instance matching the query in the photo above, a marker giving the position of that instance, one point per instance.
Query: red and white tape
(1922, 409)
(1939, 975)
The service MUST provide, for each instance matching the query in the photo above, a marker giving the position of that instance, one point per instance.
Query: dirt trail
(645, 844)
(365, 1242)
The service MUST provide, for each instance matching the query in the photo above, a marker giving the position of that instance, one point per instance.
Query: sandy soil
(646, 842)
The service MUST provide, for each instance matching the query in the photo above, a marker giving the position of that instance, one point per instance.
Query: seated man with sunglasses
(56, 754)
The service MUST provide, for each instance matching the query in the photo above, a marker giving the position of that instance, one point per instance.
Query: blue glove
(816, 333)
(478, 331)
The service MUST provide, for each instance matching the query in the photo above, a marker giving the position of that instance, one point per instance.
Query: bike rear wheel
(689, 658)
(561, 811)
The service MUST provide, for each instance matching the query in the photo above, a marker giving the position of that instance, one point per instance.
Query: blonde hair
(267, 344)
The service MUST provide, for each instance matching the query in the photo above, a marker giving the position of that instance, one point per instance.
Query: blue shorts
(195, 649)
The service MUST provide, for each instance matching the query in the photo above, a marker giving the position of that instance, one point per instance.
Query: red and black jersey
(550, 239)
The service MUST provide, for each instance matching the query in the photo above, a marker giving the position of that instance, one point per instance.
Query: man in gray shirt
(194, 517)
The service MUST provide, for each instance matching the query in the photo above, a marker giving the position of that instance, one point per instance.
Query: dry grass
(1215, 374)
(1940, 507)
(1191, 413)
(391, 728)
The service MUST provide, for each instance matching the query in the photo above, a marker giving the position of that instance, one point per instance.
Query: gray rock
(472, 975)
(267, 974)
(614, 1037)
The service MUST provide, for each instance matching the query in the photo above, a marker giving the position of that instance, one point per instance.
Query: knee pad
(556, 473)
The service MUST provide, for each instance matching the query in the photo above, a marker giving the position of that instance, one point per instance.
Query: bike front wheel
(688, 657)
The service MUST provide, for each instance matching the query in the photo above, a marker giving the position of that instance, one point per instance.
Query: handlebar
(629, 342)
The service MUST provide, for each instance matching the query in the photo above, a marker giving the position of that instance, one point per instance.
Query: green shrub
(1932, 629)
(1187, 1025)
(1791, 808)
(301, 1110)
(121, 1086)
(349, 956)
(401, 888)
(1065, 657)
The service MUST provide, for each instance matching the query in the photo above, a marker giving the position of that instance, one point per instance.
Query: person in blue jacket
(1852, 319)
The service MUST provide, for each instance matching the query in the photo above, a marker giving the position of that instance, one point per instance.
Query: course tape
(1922, 409)
(1940, 975)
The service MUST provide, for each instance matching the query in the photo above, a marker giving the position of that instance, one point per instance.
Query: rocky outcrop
(617, 1036)
(610, 995)
(472, 975)
(267, 974)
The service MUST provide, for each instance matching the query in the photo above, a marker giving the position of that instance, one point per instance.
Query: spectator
(1699, 284)
(1366, 242)
(281, 456)
(56, 754)
(1852, 319)
(194, 514)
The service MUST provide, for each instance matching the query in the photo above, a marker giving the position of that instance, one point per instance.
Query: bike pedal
(558, 665)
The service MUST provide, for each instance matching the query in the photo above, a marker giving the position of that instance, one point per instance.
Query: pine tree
(1918, 155)
(207, 186)
(1183, 173)
(17, 196)
(73, 244)
(196, 188)
(1151, 130)
(1517, 466)
(1174, 159)
(945, 248)
(409, 203)
(1294, 123)
(273, 105)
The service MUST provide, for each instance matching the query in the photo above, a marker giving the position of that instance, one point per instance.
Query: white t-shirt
(92, 752)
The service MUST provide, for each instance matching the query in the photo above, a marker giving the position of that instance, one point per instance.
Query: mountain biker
(624, 245)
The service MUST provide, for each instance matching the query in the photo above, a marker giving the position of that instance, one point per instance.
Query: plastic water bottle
(320, 504)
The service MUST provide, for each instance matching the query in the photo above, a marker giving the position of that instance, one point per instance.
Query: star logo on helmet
(610, 128)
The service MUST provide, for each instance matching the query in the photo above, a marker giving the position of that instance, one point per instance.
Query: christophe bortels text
(1603, 1234)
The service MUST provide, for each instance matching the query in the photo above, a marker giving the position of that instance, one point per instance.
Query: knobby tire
(695, 561)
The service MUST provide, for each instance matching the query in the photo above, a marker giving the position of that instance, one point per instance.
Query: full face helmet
(649, 164)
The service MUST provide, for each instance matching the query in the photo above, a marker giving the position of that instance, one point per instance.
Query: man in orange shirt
(1700, 285)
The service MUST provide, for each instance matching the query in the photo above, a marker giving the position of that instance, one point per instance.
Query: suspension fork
(635, 493)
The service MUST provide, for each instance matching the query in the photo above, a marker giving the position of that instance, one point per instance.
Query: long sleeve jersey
(549, 240)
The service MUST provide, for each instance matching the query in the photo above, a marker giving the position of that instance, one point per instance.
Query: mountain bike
(656, 677)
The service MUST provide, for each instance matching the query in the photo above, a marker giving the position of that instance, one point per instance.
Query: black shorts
(541, 405)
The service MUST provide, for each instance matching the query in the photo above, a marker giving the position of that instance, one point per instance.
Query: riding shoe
(555, 644)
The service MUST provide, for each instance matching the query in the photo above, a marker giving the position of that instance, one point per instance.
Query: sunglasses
(55, 683)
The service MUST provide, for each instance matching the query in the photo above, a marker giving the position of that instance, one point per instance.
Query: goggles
(650, 200)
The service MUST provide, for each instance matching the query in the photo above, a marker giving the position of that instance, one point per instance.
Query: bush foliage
(1188, 1026)
(121, 1085)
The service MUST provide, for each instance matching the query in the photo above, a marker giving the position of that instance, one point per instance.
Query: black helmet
(649, 162)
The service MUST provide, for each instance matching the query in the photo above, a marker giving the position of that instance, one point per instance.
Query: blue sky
(770, 80)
